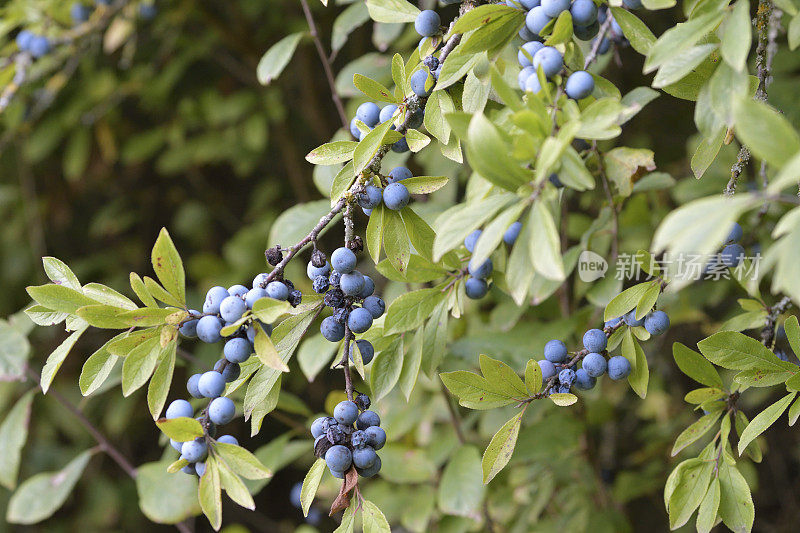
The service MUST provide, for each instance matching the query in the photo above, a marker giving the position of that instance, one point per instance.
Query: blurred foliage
(171, 128)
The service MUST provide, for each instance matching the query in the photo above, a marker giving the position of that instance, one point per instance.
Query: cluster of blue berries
(394, 195)
(344, 288)
(533, 54)
(39, 45)
(371, 114)
(350, 438)
(220, 410)
(476, 285)
(559, 371)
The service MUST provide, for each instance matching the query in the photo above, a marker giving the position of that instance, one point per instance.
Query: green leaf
(695, 431)
(624, 164)
(763, 420)
(707, 514)
(13, 434)
(386, 369)
(393, 11)
(625, 301)
(502, 377)
(689, 492)
(461, 489)
(639, 35)
(794, 32)
(373, 89)
(125, 342)
(533, 376)
(59, 298)
(792, 328)
(456, 223)
(704, 394)
(311, 484)
(14, 352)
(293, 224)
(738, 36)
(678, 67)
(374, 233)
(139, 365)
(373, 519)
(736, 504)
(488, 154)
(767, 133)
(210, 494)
(168, 266)
(474, 391)
(501, 447)
(563, 399)
(234, 487)
(276, 58)
(439, 104)
(266, 351)
(368, 146)
(160, 293)
(679, 38)
(396, 240)
(349, 517)
(166, 498)
(411, 364)
(640, 375)
(562, 30)
(425, 184)
(60, 274)
(545, 249)
(399, 73)
(416, 140)
(55, 359)
(411, 309)
(736, 351)
(332, 153)
(158, 389)
(43, 494)
(181, 429)
(108, 317)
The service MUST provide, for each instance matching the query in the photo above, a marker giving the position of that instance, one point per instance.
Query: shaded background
(173, 129)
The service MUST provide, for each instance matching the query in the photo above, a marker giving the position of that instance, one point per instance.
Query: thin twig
(326, 65)
(597, 42)
(104, 443)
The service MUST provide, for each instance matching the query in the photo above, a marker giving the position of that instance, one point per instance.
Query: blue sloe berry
(523, 76)
(364, 457)
(548, 369)
(208, 328)
(375, 306)
(481, 271)
(587, 33)
(352, 283)
(191, 386)
(221, 410)
(401, 146)
(398, 174)
(179, 408)
(366, 350)
(370, 197)
(314, 272)
(419, 83)
(240, 291)
(527, 51)
(396, 196)
(214, 298)
(253, 295)
(511, 234)
(618, 367)
(631, 320)
(553, 8)
(580, 84)
(555, 351)
(732, 255)
(360, 320)
(368, 419)
(566, 377)
(476, 288)
(343, 261)
(387, 112)
(368, 113)
(317, 426)
(231, 372)
(232, 308)
(471, 240)
(376, 437)
(368, 289)
(583, 381)
(339, 458)
(277, 290)
(228, 439)
(211, 384)
(736, 233)
(39, 46)
(371, 471)
(584, 12)
(194, 450)
(595, 340)
(536, 19)
(23, 40)
(331, 329)
(427, 23)
(595, 364)
(550, 60)
(656, 322)
(189, 328)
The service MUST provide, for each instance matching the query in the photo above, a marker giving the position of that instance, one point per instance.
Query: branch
(597, 42)
(104, 443)
(326, 65)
